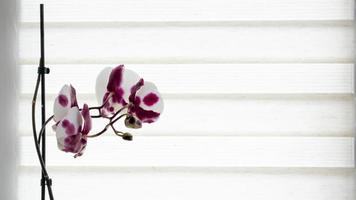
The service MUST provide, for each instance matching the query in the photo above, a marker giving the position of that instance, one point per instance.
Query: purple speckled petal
(148, 103)
(115, 78)
(118, 89)
(111, 105)
(82, 146)
(63, 102)
(87, 120)
(134, 90)
(145, 116)
(68, 131)
(73, 96)
(130, 80)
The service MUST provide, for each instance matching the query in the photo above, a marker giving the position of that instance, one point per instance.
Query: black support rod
(43, 100)
(42, 71)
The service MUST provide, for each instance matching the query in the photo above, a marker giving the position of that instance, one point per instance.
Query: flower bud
(127, 136)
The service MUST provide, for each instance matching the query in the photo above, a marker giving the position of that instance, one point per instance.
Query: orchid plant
(121, 93)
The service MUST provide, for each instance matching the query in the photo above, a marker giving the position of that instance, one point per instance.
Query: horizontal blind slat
(179, 151)
(208, 78)
(189, 44)
(176, 10)
(158, 183)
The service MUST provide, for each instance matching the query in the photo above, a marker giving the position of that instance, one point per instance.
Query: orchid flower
(120, 87)
(146, 102)
(117, 90)
(70, 131)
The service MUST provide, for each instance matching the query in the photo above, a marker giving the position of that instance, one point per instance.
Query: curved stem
(119, 133)
(110, 118)
(43, 128)
(114, 129)
(107, 126)
(96, 107)
(124, 136)
(112, 122)
(119, 111)
(100, 133)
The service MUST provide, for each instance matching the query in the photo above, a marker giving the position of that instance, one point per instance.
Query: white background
(259, 100)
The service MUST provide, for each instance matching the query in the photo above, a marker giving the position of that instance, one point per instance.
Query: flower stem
(95, 116)
(107, 125)
(43, 128)
(119, 111)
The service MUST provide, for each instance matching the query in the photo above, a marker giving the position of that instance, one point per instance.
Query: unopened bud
(127, 136)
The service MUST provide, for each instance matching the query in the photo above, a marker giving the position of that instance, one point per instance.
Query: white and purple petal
(115, 79)
(147, 103)
(87, 120)
(119, 83)
(111, 106)
(68, 131)
(134, 90)
(64, 101)
(101, 84)
(83, 145)
(130, 80)
(150, 98)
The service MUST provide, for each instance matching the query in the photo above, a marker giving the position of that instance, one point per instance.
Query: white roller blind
(259, 98)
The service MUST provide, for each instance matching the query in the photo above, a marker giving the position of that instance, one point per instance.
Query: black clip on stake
(43, 70)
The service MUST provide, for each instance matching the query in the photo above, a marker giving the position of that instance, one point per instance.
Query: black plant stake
(42, 71)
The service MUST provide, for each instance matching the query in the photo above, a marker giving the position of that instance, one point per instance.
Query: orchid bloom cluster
(121, 93)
